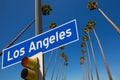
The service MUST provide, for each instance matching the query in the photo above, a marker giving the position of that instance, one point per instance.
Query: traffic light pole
(38, 26)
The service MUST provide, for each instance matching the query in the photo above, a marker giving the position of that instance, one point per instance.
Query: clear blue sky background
(16, 14)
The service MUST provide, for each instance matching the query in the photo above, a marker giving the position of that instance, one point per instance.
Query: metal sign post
(38, 26)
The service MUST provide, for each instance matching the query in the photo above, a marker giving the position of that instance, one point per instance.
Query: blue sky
(16, 14)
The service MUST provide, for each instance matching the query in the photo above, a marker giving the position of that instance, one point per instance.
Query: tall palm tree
(87, 30)
(85, 38)
(83, 51)
(51, 26)
(102, 52)
(93, 5)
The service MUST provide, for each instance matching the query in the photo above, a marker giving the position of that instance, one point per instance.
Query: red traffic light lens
(25, 61)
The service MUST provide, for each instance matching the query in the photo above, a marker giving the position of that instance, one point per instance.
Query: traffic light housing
(31, 71)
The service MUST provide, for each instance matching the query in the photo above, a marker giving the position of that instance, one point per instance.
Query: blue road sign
(47, 41)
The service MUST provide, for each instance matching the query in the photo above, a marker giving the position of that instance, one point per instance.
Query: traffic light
(30, 72)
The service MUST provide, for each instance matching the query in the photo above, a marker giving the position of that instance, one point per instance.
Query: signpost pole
(38, 26)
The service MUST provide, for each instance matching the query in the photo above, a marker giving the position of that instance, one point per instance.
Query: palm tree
(83, 51)
(87, 30)
(82, 44)
(46, 9)
(85, 38)
(52, 25)
(102, 52)
(93, 5)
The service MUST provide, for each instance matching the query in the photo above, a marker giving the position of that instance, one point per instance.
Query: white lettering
(32, 47)
(52, 39)
(22, 51)
(39, 44)
(68, 32)
(9, 58)
(57, 36)
(16, 54)
(46, 42)
(62, 35)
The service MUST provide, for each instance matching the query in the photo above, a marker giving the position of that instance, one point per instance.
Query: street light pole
(38, 17)
(38, 30)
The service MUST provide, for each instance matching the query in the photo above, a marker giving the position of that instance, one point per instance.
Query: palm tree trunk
(105, 61)
(110, 21)
(65, 73)
(83, 72)
(50, 58)
(91, 74)
(59, 67)
(87, 68)
(93, 54)
(54, 65)
(88, 76)
(61, 72)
